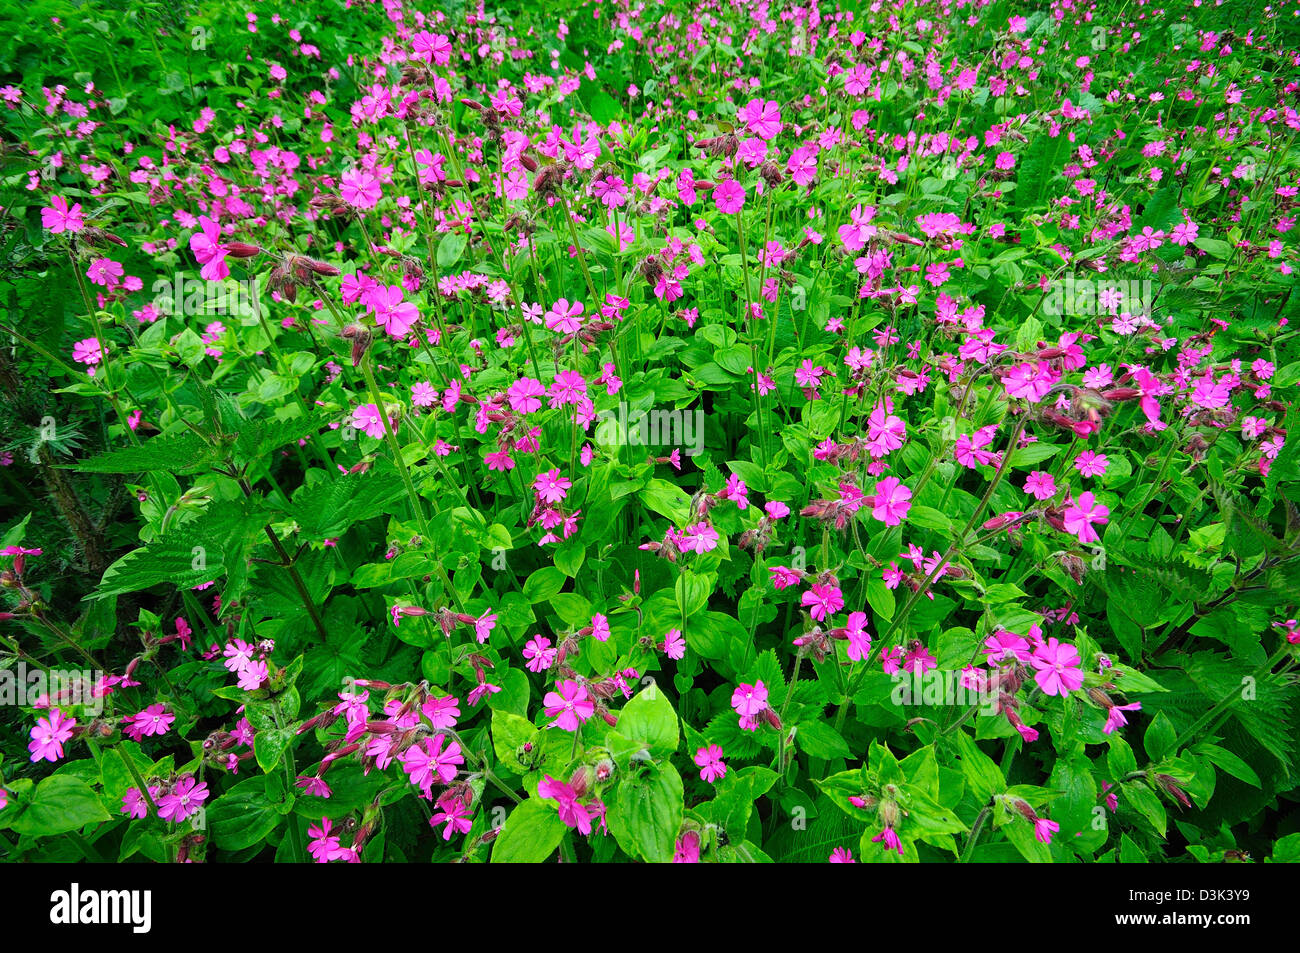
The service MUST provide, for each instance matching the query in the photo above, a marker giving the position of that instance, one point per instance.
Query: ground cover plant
(701, 432)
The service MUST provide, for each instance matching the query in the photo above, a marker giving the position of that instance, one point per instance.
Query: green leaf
(179, 453)
(543, 584)
(327, 508)
(268, 747)
(450, 249)
(667, 499)
(61, 803)
(649, 718)
(530, 834)
(819, 740)
(244, 816)
(983, 776)
(647, 813)
(1143, 800)
(510, 733)
(1160, 737)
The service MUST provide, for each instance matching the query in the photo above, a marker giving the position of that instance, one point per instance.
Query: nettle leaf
(182, 559)
(328, 507)
(179, 453)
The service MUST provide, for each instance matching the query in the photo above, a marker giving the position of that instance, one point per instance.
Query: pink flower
(392, 314)
(323, 846)
(822, 601)
(360, 189)
(570, 706)
(441, 712)
(1115, 716)
(891, 501)
(1090, 464)
(424, 763)
(729, 197)
(539, 654)
(686, 850)
(59, 218)
(1080, 516)
(1027, 381)
(368, 420)
(564, 317)
(890, 838)
(154, 720)
(525, 395)
(1057, 664)
(209, 251)
(183, 800)
(762, 118)
(572, 813)
(550, 487)
(1044, 829)
(709, 761)
(49, 734)
(842, 855)
(674, 645)
(1040, 485)
(749, 700)
(87, 352)
(455, 815)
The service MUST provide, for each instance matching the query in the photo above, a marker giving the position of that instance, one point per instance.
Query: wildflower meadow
(617, 431)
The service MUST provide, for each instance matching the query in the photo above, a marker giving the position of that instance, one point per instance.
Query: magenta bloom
(891, 502)
(1040, 485)
(890, 838)
(762, 118)
(360, 189)
(392, 314)
(822, 601)
(525, 395)
(1080, 516)
(183, 800)
(455, 816)
(60, 218)
(550, 486)
(842, 855)
(424, 763)
(49, 734)
(154, 720)
(368, 420)
(572, 813)
(564, 317)
(1057, 664)
(710, 763)
(570, 706)
(1027, 381)
(729, 197)
(1090, 463)
(749, 700)
(323, 846)
(539, 653)
(674, 644)
(209, 251)
(1115, 716)
(1044, 829)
